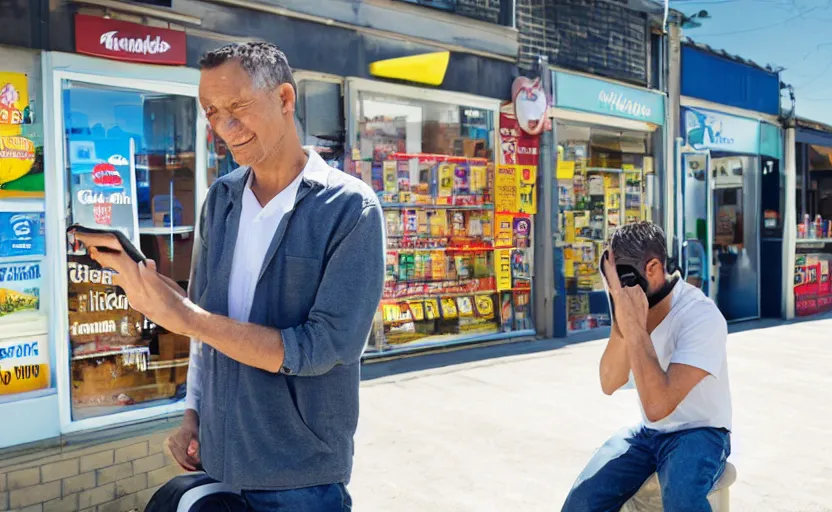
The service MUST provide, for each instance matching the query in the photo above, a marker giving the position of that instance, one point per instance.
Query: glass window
(130, 166)
(25, 358)
(601, 177)
(430, 164)
(319, 118)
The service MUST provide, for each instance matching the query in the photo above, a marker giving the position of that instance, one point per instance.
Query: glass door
(736, 236)
(696, 220)
(130, 163)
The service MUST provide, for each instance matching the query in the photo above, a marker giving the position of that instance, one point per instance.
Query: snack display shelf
(451, 295)
(149, 229)
(801, 241)
(605, 169)
(416, 206)
(434, 158)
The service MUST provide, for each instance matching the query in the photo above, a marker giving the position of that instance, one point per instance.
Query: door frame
(707, 265)
(118, 75)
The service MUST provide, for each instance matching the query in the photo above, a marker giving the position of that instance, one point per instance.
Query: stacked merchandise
(598, 191)
(812, 290)
(443, 248)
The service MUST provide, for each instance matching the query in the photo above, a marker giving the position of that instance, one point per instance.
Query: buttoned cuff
(291, 352)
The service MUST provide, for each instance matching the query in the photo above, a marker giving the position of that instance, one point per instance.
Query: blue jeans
(323, 498)
(689, 464)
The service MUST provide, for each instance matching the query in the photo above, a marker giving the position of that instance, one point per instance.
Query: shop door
(720, 243)
(131, 162)
(696, 220)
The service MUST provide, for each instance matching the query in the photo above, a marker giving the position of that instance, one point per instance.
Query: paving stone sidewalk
(512, 430)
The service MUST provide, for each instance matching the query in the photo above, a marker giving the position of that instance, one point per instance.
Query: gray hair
(639, 243)
(265, 63)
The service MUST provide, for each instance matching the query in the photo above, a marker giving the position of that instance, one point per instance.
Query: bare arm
(615, 363)
(660, 392)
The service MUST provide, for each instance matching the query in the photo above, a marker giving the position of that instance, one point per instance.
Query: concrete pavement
(510, 427)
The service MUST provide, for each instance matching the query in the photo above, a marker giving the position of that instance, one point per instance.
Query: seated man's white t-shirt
(695, 333)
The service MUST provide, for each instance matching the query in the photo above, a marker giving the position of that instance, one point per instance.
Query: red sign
(131, 42)
(518, 147)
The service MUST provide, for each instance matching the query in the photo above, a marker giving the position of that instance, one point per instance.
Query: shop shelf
(149, 229)
(403, 206)
(111, 352)
(604, 169)
(427, 157)
(813, 241)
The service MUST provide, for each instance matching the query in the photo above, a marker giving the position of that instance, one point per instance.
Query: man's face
(251, 121)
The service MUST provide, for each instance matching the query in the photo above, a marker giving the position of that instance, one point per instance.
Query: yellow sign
(446, 180)
(502, 269)
(504, 236)
(506, 189)
(14, 102)
(527, 189)
(566, 170)
(428, 68)
(24, 365)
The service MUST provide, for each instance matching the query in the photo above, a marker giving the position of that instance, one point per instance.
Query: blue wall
(713, 78)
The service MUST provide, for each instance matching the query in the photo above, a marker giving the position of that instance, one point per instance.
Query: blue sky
(792, 34)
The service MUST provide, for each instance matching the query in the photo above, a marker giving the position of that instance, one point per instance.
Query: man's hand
(184, 444)
(155, 296)
(631, 304)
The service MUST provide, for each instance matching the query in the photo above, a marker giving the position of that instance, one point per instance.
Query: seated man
(672, 338)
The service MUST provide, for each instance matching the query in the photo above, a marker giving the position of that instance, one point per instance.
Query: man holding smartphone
(287, 275)
(672, 340)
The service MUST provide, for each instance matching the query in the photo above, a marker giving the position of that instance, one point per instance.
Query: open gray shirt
(320, 285)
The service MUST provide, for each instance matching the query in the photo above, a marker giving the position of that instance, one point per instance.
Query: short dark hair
(640, 242)
(265, 63)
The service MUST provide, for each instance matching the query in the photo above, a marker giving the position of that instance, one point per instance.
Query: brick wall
(602, 37)
(118, 476)
(483, 10)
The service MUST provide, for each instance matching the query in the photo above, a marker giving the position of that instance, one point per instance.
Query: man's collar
(316, 171)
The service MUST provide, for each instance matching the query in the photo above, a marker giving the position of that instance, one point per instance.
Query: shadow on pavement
(461, 354)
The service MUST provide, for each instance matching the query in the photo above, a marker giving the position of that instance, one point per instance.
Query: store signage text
(87, 197)
(577, 92)
(107, 301)
(617, 102)
(19, 351)
(26, 372)
(102, 327)
(27, 272)
(80, 273)
(705, 129)
(129, 41)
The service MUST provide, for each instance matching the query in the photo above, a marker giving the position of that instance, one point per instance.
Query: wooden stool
(649, 497)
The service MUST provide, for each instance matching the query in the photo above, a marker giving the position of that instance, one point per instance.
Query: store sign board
(14, 102)
(586, 94)
(517, 147)
(24, 364)
(706, 129)
(20, 287)
(22, 234)
(121, 40)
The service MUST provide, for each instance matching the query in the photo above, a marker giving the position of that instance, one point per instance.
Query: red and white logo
(121, 40)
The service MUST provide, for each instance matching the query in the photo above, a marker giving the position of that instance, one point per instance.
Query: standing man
(672, 339)
(287, 274)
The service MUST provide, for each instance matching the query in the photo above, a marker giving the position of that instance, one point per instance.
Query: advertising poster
(22, 234)
(506, 189)
(103, 189)
(522, 231)
(517, 146)
(20, 177)
(504, 236)
(20, 288)
(527, 189)
(100, 316)
(24, 365)
(502, 269)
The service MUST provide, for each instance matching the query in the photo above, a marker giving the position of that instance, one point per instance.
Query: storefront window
(448, 277)
(130, 166)
(602, 183)
(813, 259)
(25, 357)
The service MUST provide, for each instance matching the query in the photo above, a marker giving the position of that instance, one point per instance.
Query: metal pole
(544, 287)
(789, 223)
(671, 128)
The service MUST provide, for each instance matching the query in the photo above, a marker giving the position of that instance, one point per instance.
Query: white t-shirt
(695, 333)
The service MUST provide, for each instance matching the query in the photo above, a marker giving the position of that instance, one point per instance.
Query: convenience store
(730, 183)
(108, 131)
(809, 242)
(608, 139)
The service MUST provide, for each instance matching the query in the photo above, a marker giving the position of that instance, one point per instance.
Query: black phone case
(129, 249)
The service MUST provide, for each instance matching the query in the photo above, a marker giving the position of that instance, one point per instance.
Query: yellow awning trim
(428, 68)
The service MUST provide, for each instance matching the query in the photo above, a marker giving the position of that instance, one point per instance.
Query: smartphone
(128, 247)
